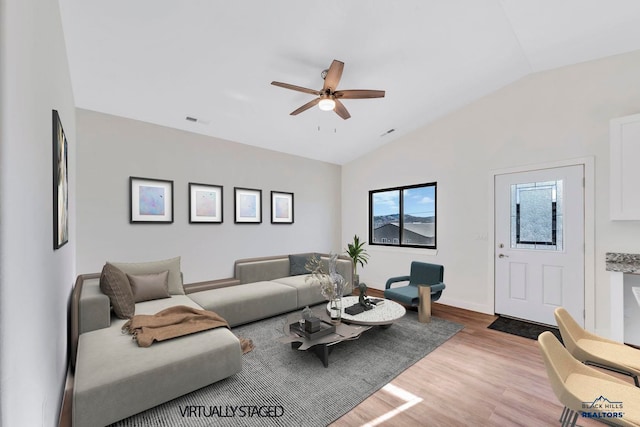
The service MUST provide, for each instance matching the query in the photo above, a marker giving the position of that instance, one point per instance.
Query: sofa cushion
(297, 264)
(115, 285)
(248, 302)
(173, 265)
(147, 287)
(308, 292)
(154, 306)
(261, 269)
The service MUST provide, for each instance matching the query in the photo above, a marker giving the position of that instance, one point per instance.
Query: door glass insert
(536, 216)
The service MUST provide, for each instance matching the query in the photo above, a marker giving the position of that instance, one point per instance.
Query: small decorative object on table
(363, 300)
(307, 313)
(335, 310)
(332, 284)
(363, 303)
(324, 329)
(312, 324)
(354, 309)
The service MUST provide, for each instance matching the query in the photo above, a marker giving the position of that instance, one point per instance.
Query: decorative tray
(326, 328)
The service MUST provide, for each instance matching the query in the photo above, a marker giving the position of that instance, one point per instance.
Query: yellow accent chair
(586, 391)
(594, 350)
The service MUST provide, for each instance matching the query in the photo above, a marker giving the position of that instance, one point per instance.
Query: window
(405, 216)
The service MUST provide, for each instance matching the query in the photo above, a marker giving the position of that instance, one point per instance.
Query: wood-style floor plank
(480, 377)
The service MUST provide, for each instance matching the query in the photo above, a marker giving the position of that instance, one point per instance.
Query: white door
(539, 238)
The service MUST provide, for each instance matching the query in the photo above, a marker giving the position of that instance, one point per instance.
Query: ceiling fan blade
(305, 107)
(297, 88)
(341, 110)
(333, 76)
(359, 94)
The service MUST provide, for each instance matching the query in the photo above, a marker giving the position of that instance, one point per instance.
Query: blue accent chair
(422, 273)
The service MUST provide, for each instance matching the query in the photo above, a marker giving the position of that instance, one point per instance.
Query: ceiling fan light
(327, 104)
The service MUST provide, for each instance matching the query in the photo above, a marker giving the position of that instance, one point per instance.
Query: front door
(539, 238)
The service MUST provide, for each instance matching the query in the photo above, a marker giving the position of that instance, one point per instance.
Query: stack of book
(357, 308)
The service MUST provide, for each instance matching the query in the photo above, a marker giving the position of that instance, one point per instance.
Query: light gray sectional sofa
(114, 378)
(265, 287)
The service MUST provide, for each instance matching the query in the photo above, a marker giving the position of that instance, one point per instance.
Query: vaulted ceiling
(161, 61)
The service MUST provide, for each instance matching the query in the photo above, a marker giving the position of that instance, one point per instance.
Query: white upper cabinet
(624, 168)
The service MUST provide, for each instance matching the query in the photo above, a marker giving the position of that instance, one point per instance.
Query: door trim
(589, 230)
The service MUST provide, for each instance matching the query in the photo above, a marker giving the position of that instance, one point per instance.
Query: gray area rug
(279, 386)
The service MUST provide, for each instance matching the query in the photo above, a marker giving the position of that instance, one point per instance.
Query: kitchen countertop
(623, 263)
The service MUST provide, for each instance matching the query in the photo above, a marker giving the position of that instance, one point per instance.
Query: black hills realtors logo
(602, 407)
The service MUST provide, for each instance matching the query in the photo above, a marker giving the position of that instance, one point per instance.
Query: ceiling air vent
(197, 120)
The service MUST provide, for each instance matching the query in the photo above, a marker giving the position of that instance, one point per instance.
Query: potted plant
(358, 255)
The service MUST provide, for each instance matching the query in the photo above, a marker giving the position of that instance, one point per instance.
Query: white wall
(111, 149)
(35, 280)
(551, 116)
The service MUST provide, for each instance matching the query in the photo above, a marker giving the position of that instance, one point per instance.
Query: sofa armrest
(94, 308)
(85, 299)
(396, 279)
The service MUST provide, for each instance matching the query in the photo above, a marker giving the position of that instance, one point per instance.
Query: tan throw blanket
(175, 322)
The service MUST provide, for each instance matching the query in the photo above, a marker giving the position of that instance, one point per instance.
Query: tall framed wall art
(60, 184)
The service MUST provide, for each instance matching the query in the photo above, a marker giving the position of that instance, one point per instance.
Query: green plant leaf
(357, 253)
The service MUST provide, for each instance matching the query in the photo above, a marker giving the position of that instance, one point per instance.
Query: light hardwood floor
(480, 377)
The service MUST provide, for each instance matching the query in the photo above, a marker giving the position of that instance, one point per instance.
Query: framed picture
(151, 200)
(205, 203)
(248, 206)
(281, 207)
(60, 184)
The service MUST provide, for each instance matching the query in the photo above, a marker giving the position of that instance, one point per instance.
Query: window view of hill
(381, 220)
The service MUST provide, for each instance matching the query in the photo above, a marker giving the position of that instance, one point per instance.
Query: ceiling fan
(328, 97)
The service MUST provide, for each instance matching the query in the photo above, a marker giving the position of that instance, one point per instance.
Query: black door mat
(522, 328)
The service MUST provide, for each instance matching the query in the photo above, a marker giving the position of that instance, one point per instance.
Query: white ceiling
(162, 60)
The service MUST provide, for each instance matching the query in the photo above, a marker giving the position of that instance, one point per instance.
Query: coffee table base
(321, 350)
(323, 345)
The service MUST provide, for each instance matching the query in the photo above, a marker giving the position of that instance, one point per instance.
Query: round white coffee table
(383, 314)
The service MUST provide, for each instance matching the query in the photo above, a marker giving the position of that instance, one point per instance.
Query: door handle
(503, 256)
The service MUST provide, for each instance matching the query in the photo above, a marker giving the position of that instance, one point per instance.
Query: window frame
(401, 215)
